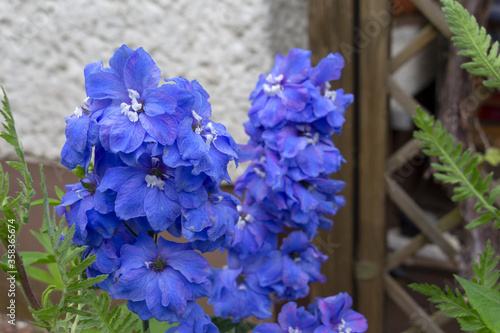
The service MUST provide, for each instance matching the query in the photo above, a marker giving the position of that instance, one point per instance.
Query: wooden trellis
(335, 26)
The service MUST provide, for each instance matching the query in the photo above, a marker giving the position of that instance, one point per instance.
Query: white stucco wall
(224, 44)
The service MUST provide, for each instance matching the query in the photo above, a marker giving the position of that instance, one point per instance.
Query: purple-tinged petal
(272, 113)
(162, 128)
(160, 210)
(141, 71)
(294, 97)
(125, 135)
(104, 85)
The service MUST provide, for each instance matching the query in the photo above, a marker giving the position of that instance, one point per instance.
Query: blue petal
(294, 97)
(162, 128)
(272, 113)
(191, 264)
(191, 145)
(119, 59)
(76, 132)
(172, 290)
(157, 101)
(132, 285)
(328, 69)
(125, 135)
(268, 328)
(141, 71)
(296, 65)
(160, 210)
(141, 309)
(103, 85)
(130, 199)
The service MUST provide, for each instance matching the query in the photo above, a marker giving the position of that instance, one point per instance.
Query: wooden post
(330, 26)
(372, 44)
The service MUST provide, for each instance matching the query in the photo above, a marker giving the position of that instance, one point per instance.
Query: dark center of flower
(304, 183)
(197, 128)
(159, 264)
(90, 187)
(156, 172)
(241, 278)
(294, 255)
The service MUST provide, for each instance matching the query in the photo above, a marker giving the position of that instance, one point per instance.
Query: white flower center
(294, 330)
(306, 131)
(342, 329)
(208, 132)
(132, 115)
(259, 173)
(330, 94)
(78, 111)
(242, 221)
(275, 86)
(154, 181)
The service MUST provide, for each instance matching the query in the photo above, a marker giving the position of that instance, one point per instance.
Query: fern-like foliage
(474, 43)
(15, 209)
(485, 270)
(454, 303)
(79, 306)
(458, 168)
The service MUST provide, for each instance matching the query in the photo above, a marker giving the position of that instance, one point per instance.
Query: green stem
(447, 159)
(25, 284)
(145, 325)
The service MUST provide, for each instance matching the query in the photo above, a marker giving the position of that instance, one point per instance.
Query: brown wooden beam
(330, 26)
(372, 42)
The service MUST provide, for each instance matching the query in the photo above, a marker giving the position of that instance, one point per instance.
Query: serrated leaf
(46, 296)
(485, 301)
(86, 283)
(39, 202)
(78, 269)
(479, 221)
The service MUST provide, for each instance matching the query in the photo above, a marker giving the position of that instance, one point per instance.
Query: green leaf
(82, 284)
(78, 269)
(474, 42)
(485, 301)
(457, 167)
(32, 258)
(42, 275)
(52, 202)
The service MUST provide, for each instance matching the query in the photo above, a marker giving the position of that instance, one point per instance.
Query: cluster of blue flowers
(154, 162)
(287, 189)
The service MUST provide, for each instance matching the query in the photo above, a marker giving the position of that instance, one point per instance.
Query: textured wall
(224, 44)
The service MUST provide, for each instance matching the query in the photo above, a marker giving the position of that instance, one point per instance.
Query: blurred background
(399, 225)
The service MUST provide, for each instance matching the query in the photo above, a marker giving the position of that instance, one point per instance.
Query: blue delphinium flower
(291, 320)
(336, 315)
(139, 106)
(150, 191)
(90, 210)
(237, 293)
(293, 115)
(281, 91)
(201, 144)
(196, 322)
(288, 271)
(161, 281)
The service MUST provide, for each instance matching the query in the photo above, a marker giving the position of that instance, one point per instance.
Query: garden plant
(150, 162)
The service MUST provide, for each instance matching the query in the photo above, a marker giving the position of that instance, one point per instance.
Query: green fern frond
(485, 270)
(9, 134)
(454, 306)
(108, 321)
(458, 168)
(474, 43)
